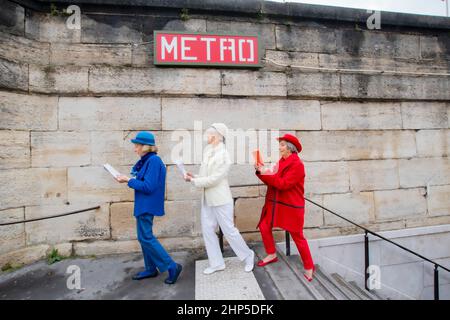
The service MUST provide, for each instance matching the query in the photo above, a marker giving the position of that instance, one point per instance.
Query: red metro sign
(206, 49)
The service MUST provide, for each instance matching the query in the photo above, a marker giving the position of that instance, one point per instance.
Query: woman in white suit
(217, 202)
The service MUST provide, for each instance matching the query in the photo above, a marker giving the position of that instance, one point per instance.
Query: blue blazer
(149, 187)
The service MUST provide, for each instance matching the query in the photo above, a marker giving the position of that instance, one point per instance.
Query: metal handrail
(50, 217)
(366, 245)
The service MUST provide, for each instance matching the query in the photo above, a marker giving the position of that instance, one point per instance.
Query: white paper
(111, 170)
(180, 167)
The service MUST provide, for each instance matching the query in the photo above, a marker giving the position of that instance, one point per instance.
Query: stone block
(94, 185)
(14, 149)
(60, 79)
(253, 114)
(28, 112)
(109, 113)
(356, 145)
(34, 186)
(373, 175)
(251, 83)
(361, 116)
(89, 225)
(60, 149)
(400, 203)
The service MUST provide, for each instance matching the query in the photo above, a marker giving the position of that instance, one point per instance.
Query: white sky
(427, 7)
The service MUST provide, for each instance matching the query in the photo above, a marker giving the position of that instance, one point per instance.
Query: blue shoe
(174, 273)
(145, 274)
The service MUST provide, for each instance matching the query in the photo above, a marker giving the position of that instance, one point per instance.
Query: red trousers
(302, 244)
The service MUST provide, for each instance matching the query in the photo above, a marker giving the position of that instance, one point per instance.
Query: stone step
(346, 286)
(294, 264)
(327, 282)
(372, 296)
(285, 280)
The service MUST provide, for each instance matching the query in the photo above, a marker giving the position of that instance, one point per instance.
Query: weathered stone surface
(439, 200)
(293, 38)
(326, 177)
(60, 149)
(103, 247)
(251, 83)
(395, 204)
(420, 172)
(360, 116)
(121, 113)
(60, 79)
(12, 16)
(373, 175)
(182, 219)
(177, 188)
(314, 215)
(264, 30)
(247, 213)
(47, 28)
(357, 207)
(111, 28)
(20, 49)
(154, 80)
(356, 145)
(368, 43)
(92, 224)
(433, 143)
(14, 149)
(28, 112)
(94, 185)
(425, 115)
(12, 237)
(394, 87)
(13, 75)
(307, 84)
(289, 58)
(245, 192)
(35, 186)
(90, 54)
(242, 174)
(256, 114)
(123, 223)
(25, 255)
(109, 147)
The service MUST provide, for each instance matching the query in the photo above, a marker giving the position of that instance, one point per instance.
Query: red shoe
(261, 263)
(308, 278)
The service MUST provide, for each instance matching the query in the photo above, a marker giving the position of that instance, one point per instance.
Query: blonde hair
(146, 148)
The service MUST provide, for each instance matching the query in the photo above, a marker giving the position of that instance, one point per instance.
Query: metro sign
(206, 49)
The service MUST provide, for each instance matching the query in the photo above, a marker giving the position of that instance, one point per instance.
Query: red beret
(292, 139)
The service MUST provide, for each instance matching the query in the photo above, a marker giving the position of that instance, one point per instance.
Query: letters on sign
(197, 49)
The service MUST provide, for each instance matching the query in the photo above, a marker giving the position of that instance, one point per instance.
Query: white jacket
(212, 177)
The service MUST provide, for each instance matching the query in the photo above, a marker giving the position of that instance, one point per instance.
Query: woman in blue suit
(148, 182)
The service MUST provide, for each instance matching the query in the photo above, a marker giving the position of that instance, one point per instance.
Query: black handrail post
(221, 239)
(366, 260)
(436, 282)
(288, 243)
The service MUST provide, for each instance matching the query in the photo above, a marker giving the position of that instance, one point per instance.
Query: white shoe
(250, 262)
(211, 270)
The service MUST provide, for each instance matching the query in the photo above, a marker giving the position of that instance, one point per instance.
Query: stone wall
(375, 146)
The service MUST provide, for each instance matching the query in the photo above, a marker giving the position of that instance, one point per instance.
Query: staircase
(287, 277)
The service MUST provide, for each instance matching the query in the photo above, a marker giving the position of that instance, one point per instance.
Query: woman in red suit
(284, 206)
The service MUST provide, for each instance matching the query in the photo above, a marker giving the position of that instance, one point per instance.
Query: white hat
(221, 128)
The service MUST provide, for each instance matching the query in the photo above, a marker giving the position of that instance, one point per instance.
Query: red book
(258, 158)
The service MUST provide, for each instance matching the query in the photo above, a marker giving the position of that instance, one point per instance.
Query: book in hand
(180, 167)
(111, 170)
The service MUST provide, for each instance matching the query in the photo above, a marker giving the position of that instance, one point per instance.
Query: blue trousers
(155, 256)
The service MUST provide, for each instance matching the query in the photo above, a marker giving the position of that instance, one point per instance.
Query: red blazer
(285, 201)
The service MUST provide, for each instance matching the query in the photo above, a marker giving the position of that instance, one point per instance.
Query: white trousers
(222, 216)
